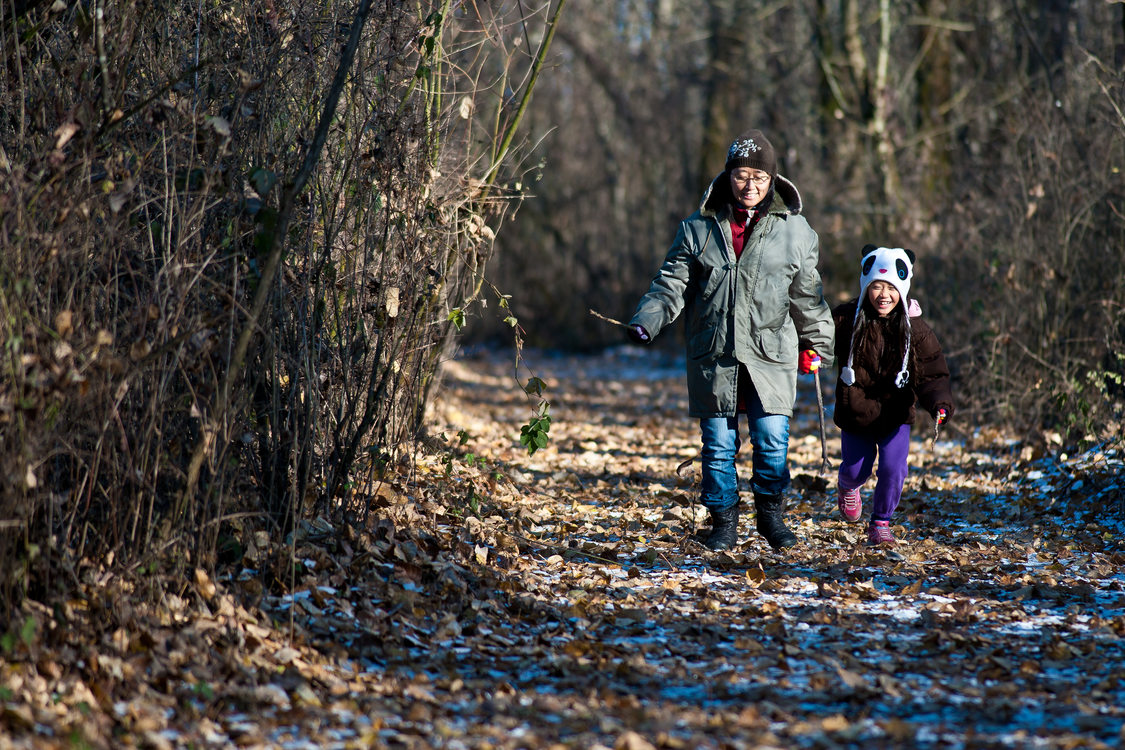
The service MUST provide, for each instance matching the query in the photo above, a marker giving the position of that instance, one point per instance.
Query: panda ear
(867, 250)
(909, 254)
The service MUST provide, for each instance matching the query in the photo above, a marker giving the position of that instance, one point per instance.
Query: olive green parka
(758, 310)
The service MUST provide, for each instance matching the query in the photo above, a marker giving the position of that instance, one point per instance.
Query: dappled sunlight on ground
(479, 597)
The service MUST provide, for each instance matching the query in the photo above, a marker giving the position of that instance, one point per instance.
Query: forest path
(484, 598)
(998, 622)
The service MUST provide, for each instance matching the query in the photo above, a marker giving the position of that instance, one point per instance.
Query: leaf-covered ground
(497, 600)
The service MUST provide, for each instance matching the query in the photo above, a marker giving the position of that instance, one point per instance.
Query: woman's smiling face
(749, 186)
(883, 297)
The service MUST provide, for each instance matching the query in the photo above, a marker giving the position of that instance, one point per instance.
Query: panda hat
(894, 265)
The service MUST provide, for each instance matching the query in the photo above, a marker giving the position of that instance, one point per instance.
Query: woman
(743, 270)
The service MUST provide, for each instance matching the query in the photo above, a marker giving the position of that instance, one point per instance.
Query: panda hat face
(894, 265)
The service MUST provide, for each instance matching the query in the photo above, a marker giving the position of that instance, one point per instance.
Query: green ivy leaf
(533, 435)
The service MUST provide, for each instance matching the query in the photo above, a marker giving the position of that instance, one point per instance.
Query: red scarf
(742, 222)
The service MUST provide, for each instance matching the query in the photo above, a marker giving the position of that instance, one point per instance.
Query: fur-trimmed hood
(752, 313)
(784, 197)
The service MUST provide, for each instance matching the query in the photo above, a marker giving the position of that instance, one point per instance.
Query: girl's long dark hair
(896, 330)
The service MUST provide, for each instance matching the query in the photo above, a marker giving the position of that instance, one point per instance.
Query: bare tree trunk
(857, 61)
(1119, 50)
(724, 89)
(827, 104)
(935, 92)
(880, 129)
(1053, 29)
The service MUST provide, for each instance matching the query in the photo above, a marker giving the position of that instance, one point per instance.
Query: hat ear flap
(868, 249)
(909, 254)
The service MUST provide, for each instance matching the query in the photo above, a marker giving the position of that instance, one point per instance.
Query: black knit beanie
(752, 149)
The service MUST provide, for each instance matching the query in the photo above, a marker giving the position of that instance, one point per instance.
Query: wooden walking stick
(937, 426)
(826, 465)
(599, 316)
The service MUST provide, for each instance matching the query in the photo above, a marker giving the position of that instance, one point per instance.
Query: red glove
(808, 362)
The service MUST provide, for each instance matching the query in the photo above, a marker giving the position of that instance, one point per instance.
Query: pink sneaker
(849, 503)
(879, 534)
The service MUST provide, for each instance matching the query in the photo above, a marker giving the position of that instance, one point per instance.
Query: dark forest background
(240, 237)
(988, 137)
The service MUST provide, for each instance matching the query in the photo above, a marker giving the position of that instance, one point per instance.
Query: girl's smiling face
(883, 297)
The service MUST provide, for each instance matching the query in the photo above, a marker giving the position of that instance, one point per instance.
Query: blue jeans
(769, 436)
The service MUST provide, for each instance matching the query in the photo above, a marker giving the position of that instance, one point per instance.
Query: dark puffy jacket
(873, 405)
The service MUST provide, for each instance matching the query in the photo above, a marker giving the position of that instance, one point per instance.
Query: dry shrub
(1035, 250)
(148, 172)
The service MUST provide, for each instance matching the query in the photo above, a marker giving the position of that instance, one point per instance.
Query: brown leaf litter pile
(499, 600)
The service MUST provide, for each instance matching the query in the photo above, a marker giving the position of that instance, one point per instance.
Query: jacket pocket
(711, 280)
(779, 344)
(701, 345)
(854, 409)
(772, 300)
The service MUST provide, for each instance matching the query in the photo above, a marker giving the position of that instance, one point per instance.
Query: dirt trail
(494, 600)
(998, 622)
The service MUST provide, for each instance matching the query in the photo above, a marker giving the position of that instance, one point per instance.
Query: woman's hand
(808, 362)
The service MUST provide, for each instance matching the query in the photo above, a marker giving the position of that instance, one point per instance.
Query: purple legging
(859, 453)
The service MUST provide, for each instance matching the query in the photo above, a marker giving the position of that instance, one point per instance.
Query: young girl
(890, 359)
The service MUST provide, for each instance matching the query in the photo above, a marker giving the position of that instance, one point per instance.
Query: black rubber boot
(771, 523)
(724, 528)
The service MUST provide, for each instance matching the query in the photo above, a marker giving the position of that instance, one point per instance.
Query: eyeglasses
(761, 179)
